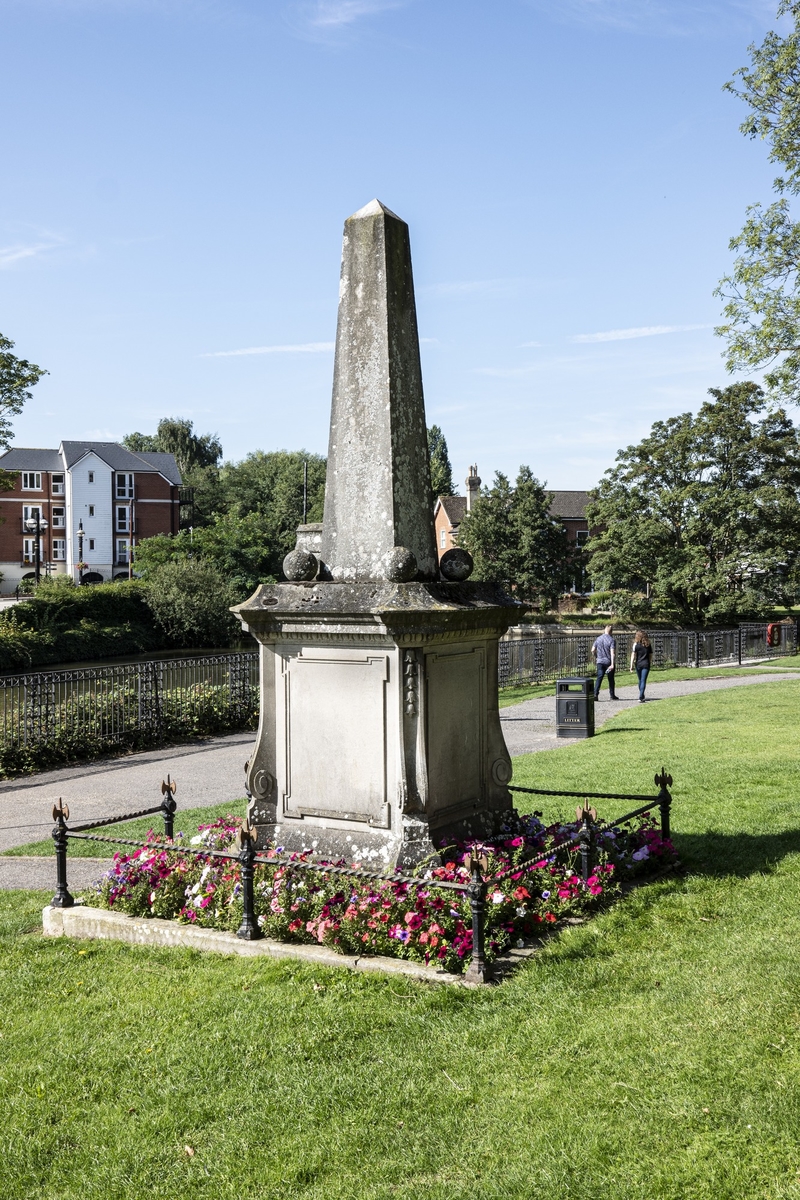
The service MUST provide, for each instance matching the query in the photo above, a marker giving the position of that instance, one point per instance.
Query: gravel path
(531, 725)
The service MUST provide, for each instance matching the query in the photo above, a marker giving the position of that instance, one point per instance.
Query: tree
(704, 512)
(441, 471)
(175, 435)
(17, 377)
(515, 541)
(763, 292)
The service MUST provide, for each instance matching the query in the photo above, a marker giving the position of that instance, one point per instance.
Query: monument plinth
(380, 732)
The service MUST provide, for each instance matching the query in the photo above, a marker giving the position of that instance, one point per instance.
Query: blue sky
(175, 175)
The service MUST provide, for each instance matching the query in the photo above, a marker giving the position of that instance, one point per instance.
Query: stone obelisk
(378, 494)
(379, 735)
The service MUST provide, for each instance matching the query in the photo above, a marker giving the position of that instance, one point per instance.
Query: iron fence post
(739, 645)
(249, 929)
(168, 806)
(664, 782)
(697, 649)
(587, 817)
(62, 898)
(478, 971)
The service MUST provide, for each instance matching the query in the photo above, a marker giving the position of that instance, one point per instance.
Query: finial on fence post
(62, 898)
(478, 971)
(168, 806)
(664, 782)
(249, 929)
(587, 817)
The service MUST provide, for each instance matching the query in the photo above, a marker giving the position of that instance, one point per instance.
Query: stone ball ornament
(401, 565)
(300, 566)
(456, 565)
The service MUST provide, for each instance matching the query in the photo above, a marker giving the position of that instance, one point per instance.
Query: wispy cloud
(300, 348)
(10, 256)
(642, 331)
(334, 14)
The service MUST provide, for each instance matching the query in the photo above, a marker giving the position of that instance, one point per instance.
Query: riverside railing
(583, 843)
(131, 704)
(542, 658)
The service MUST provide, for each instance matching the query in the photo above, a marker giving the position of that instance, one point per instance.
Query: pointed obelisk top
(378, 491)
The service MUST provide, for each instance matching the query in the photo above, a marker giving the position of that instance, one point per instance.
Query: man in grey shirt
(604, 653)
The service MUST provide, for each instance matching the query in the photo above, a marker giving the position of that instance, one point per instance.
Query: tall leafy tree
(441, 470)
(704, 512)
(515, 541)
(762, 293)
(197, 456)
(17, 377)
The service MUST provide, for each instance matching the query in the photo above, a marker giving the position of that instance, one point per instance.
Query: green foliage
(705, 510)
(190, 602)
(441, 471)
(763, 292)
(261, 505)
(514, 540)
(17, 377)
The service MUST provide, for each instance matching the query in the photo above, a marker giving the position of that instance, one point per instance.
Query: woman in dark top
(641, 657)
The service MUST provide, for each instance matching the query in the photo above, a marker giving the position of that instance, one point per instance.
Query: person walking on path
(641, 658)
(604, 653)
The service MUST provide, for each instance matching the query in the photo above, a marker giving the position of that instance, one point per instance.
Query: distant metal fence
(539, 659)
(144, 703)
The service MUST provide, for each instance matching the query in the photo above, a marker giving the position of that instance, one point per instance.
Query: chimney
(473, 487)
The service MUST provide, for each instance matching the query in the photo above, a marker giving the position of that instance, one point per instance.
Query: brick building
(97, 498)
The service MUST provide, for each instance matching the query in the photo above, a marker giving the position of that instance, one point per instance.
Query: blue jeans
(604, 669)
(642, 672)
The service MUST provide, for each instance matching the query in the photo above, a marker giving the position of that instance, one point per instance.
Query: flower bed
(398, 919)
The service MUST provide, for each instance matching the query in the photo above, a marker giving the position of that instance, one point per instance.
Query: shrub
(190, 602)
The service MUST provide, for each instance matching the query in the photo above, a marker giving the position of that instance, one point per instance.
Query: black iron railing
(143, 703)
(479, 969)
(542, 658)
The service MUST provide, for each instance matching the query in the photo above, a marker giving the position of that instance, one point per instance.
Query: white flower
(521, 911)
(520, 943)
(497, 898)
(196, 841)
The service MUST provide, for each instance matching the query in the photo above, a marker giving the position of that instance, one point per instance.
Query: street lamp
(36, 525)
(80, 563)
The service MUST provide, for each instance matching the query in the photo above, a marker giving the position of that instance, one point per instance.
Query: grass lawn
(529, 691)
(651, 1054)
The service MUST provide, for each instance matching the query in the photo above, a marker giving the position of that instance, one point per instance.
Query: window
(31, 481)
(31, 510)
(122, 551)
(122, 518)
(582, 537)
(59, 518)
(91, 543)
(91, 477)
(59, 549)
(443, 539)
(29, 550)
(91, 510)
(58, 485)
(124, 487)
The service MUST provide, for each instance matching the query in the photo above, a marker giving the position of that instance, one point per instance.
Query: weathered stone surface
(85, 922)
(300, 565)
(378, 492)
(456, 564)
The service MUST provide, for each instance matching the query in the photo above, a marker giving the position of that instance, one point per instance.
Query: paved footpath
(212, 773)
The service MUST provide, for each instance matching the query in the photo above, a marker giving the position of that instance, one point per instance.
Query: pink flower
(413, 920)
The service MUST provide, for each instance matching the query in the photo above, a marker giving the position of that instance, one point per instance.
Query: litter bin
(575, 707)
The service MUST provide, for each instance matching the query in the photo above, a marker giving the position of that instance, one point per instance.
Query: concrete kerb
(97, 923)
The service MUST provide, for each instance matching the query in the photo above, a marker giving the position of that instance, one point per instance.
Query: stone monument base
(380, 733)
